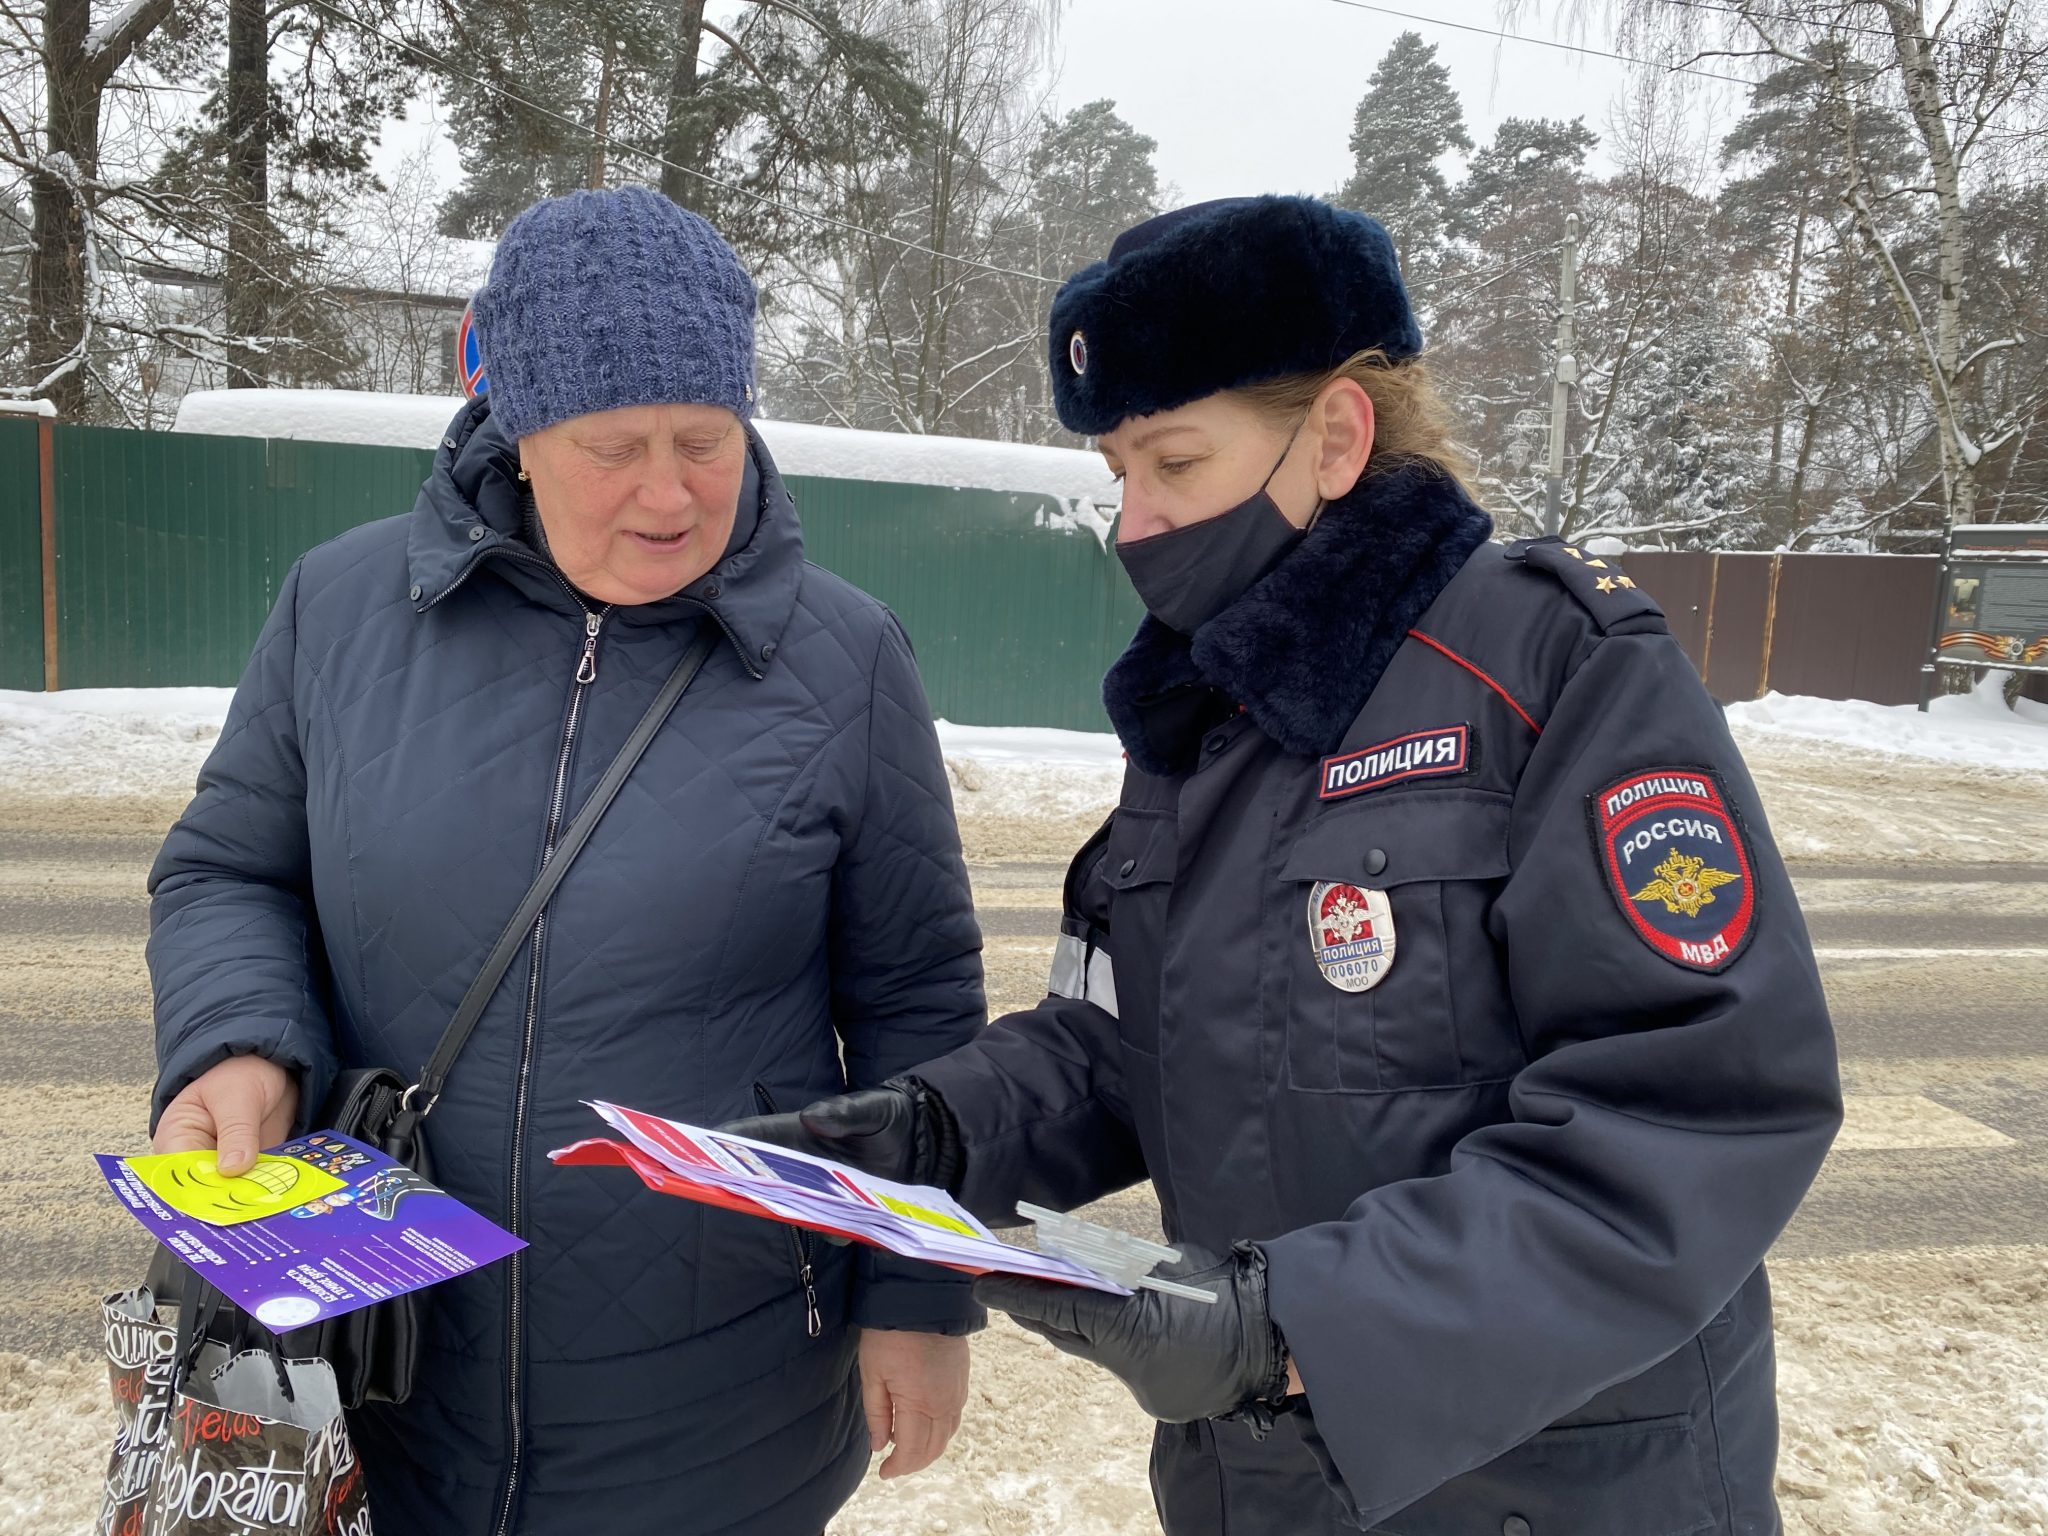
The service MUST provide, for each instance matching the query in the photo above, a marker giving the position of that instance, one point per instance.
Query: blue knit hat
(603, 299)
(1220, 295)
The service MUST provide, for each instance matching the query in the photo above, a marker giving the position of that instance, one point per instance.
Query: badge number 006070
(1351, 930)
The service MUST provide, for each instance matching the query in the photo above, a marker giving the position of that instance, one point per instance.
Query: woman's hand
(240, 1106)
(913, 1386)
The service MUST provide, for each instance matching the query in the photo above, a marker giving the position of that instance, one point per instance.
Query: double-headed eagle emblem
(1684, 884)
(1345, 921)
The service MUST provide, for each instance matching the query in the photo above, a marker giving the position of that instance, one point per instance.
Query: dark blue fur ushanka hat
(1220, 295)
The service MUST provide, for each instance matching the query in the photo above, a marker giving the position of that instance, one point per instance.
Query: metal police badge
(1351, 930)
(1677, 865)
(1077, 353)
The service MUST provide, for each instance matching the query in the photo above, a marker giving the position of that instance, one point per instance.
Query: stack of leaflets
(758, 1179)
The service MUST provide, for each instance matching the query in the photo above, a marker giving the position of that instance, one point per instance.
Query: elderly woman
(776, 898)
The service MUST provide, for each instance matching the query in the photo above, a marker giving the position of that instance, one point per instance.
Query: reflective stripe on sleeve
(1083, 973)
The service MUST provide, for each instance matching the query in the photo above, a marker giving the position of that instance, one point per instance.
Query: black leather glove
(1182, 1360)
(901, 1130)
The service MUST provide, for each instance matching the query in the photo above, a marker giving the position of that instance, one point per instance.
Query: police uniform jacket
(1439, 944)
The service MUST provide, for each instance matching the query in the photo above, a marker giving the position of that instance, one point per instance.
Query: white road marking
(1858, 897)
(1931, 952)
(1883, 1122)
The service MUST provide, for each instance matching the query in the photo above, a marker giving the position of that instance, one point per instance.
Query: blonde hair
(1411, 423)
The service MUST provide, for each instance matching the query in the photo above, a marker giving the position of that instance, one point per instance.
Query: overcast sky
(1257, 95)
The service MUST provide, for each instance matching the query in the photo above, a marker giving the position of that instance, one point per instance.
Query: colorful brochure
(739, 1174)
(377, 1229)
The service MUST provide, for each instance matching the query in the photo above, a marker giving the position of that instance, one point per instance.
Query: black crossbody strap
(421, 1096)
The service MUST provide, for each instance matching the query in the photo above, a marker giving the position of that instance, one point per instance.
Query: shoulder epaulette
(1597, 581)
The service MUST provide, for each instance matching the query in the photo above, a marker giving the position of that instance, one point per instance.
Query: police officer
(1436, 966)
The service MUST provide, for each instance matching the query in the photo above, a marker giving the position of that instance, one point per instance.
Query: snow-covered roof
(319, 415)
(1077, 479)
(908, 458)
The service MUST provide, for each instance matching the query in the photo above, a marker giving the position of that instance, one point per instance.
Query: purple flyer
(384, 1232)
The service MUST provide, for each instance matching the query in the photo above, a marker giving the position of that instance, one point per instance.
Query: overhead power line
(1544, 42)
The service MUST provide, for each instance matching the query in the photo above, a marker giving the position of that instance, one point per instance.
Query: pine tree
(1813, 313)
(1494, 303)
(1092, 178)
(1533, 165)
(1407, 123)
(553, 95)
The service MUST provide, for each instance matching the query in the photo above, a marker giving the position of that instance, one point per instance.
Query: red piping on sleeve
(1444, 650)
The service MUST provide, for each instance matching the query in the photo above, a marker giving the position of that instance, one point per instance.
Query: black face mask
(1187, 576)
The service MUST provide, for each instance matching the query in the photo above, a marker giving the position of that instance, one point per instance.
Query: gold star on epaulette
(1605, 583)
(1573, 553)
(1623, 581)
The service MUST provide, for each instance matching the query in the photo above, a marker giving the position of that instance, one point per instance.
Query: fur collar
(1304, 648)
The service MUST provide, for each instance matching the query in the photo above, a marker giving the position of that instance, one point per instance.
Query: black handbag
(374, 1350)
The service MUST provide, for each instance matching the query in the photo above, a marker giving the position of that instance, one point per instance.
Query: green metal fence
(1014, 624)
(21, 555)
(171, 547)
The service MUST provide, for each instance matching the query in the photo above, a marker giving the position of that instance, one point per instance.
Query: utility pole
(1565, 378)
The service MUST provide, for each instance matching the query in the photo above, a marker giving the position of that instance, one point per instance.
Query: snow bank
(103, 742)
(1079, 481)
(1013, 772)
(108, 741)
(1972, 729)
(96, 742)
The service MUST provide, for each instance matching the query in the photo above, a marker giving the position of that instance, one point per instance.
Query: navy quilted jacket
(776, 897)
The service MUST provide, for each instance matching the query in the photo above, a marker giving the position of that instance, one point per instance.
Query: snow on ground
(148, 742)
(1843, 782)
(1080, 481)
(143, 742)
(1913, 1393)
(1911, 1388)
(1914, 1386)
(1975, 729)
(1025, 772)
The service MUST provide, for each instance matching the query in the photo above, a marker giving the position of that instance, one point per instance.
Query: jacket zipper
(525, 556)
(515, 1343)
(799, 1242)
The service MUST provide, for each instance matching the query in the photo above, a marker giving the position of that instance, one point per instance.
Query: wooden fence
(1830, 626)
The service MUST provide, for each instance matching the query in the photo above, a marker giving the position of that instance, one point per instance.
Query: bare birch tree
(1969, 79)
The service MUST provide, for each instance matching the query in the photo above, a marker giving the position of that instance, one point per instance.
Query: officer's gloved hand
(1182, 1360)
(901, 1130)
